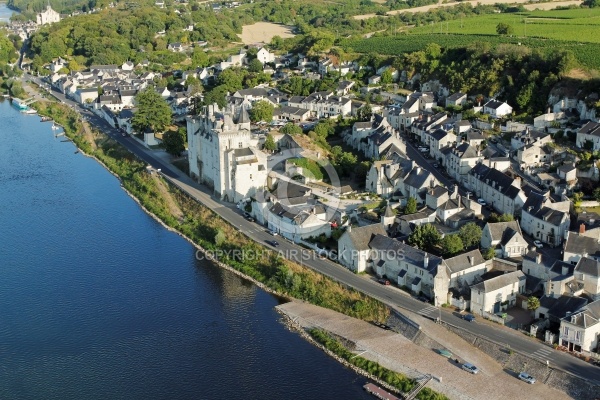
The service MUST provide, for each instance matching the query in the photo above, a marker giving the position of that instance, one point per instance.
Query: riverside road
(389, 295)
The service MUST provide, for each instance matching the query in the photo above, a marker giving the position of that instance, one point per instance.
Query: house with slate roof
(497, 109)
(499, 190)
(353, 246)
(556, 308)
(438, 140)
(505, 238)
(495, 294)
(544, 220)
(580, 331)
(421, 272)
(457, 99)
(578, 245)
(460, 160)
(590, 132)
(466, 269)
(587, 272)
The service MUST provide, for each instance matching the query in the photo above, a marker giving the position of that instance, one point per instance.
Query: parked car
(383, 281)
(249, 219)
(525, 377)
(273, 243)
(436, 165)
(469, 317)
(538, 244)
(470, 368)
(270, 232)
(481, 201)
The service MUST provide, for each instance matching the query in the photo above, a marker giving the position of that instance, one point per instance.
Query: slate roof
(564, 304)
(591, 128)
(493, 104)
(588, 317)
(581, 244)
(499, 282)
(418, 177)
(588, 266)
(389, 212)
(361, 236)
(546, 214)
(498, 229)
(439, 134)
(465, 150)
(490, 176)
(411, 255)
(464, 261)
(455, 96)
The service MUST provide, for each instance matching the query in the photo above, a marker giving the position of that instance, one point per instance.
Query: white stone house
(353, 246)
(457, 99)
(421, 272)
(505, 238)
(460, 160)
(497, 294)
(497, 109)
(544, 220)
(587, 272)
(438, 140)
(264, 56)
(465, 268)
(590, 132)
(49, 16)
(298, 223)
(500, 191)
(578, 245)
(580, 331)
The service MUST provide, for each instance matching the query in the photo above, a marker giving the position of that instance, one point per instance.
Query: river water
(5, 13)
(99, 301)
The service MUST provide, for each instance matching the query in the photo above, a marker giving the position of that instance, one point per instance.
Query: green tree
(597, 194)
(500, 218)
(470, 234)
(533, 303)
(174, 141)
(255, 66)
(216, 95)
(291, 129)
(425, 237)
(504, 29)
(232, 79)
(200, 58)
(153, 113)
(451, 245)
(411, 206)
(270, 144)
(488, 254)
(364, 113)
(262, 111)
(577, 199)
(386, 77)
(591, 3)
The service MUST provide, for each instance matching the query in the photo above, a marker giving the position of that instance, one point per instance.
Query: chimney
(458, 198)
(349, 229)
(582, 228)
(426, 260)
(471, 260)
(538, 258)
(455, 191)
(418, 170)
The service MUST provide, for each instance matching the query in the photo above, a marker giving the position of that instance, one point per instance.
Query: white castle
(47, 17)
(223, 154)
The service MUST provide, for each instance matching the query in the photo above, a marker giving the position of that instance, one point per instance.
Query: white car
(481, 201)
(538, 244)
(470, 368)
(525, 377)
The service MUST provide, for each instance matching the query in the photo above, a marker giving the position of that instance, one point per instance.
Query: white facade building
(49, 16)
(496, 294)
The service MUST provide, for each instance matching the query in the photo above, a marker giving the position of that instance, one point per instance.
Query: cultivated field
(263, 32)
(472, 2)
(577, 25)
(552, 5)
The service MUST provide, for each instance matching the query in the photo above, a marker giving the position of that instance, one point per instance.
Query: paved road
(389, 295)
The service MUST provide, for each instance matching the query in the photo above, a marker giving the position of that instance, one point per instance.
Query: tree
(262, 111)
(533, 303)
(488, 254)
(597, 194)
(291, 129)
(451, 245)
(470, 234)
(411, 206)
(200, 58)
(220, 238)
(174, 141)
(577, 199)
(364, 113)
(424, 237)
(255, 66)
(591, 3)
(504, 29)
(270, 144)
(153, 112)
(216, 95)
(500, 218)
(386, 77)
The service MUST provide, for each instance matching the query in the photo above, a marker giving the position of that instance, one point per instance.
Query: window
(566, 331)
(240, 145)
(250, 176)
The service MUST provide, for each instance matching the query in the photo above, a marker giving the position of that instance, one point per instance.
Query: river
(5, 13)
(99, 301)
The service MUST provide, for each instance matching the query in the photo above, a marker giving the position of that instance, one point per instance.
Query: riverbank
(416, 358)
